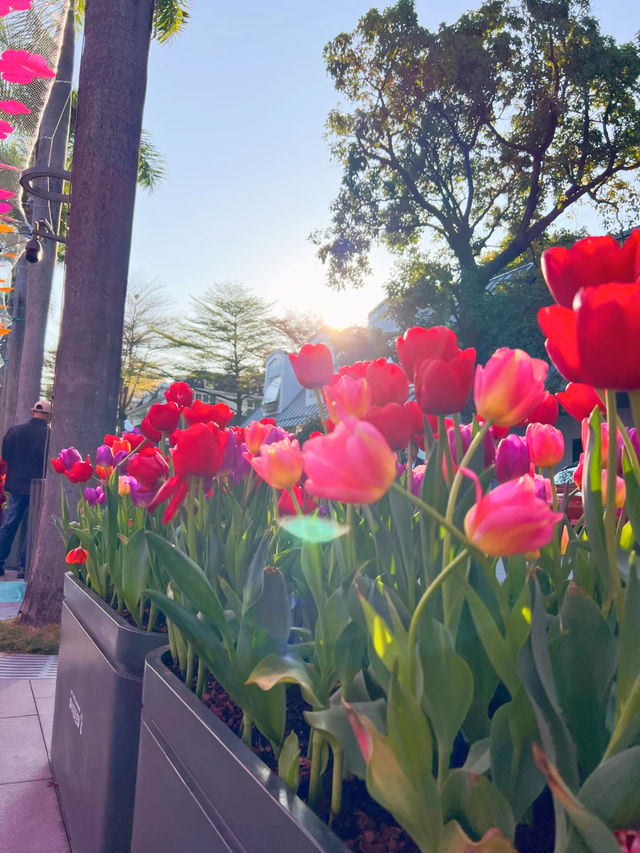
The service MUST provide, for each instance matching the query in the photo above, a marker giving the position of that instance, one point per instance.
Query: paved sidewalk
(30, 817)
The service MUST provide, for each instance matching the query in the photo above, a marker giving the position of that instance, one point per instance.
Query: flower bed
(368, 579)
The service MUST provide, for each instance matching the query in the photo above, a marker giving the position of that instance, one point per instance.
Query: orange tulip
(279, 463)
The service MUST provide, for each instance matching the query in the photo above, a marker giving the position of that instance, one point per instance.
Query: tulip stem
(634, 400)
(429, 510)
(554, 490)
(458, 434)
(422, 604)
(320, 403)
(294, 501)
(476, 442)
(631, 452)
(314, 776)
(336, 781)
(610, 522)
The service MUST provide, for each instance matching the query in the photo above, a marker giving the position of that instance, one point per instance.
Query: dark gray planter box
(201, 789)
(96, 720)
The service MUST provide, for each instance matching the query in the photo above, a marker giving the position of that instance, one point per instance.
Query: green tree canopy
(479, 135)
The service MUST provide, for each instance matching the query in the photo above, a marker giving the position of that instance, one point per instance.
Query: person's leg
(22, 559)
(12, 517)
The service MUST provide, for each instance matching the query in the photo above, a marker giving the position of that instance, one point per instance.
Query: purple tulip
(104, 456)
(512, 458)
(69, 455)
(466, 434)
(94, 496)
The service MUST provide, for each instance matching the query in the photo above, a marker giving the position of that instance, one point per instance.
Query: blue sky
(237, 105)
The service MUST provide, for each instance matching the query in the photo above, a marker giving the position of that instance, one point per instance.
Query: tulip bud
(512, 458)
(546, 445)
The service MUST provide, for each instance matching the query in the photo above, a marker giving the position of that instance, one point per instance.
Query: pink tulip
(509, 387)
(510, 519)
(546, 445)
(347, 398)
(279, 464)
(353, 464)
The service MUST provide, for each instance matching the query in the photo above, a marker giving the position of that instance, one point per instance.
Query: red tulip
(443, 385)
(347, 398)
(77, 555)
(79, 472)
(306, 504)
(148, 430)
(357, 370)
(580, 400)
(608, 334)
(164, 417)
(394, 422)
(313, 366)
(180, 393)
(510, 519)
(546, 412)
(546, 445)
(509, 387)
(354, 464)
(198, 451)
(388, 382)
(197, 454)
(149, 467)
(218, 413)
(419, 343)
(589, 263)
(279, 463)
(559, 327)
(135, 439)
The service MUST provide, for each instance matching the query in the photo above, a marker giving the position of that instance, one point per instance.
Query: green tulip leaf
(494, 644)
(629, 666)
(291, 669)
(447, 689)
(612, 791)
(135, 571)
(513, 733)
(265, 624)
(477, 804)
(289, 762)
(583, 691)
(190, 580)
(334, 722)
(595, 836)
(409, 733)
(414, 803)
(455, 840)
(535, 668)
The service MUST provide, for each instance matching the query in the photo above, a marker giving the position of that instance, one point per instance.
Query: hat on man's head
(42, 406)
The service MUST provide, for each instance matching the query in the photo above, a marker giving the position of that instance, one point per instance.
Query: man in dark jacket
(23, 449)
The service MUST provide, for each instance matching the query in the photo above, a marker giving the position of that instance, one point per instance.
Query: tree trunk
(51, 151)
(111, 94)
(14, 349)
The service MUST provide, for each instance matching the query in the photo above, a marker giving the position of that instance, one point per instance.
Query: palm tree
(105, 167)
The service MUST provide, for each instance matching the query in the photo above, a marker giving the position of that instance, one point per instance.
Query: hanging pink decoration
(5, 129)
(9, 166)
(7, 6)
(5, 194)
(4, 207)
(20, 66)
(14, 108)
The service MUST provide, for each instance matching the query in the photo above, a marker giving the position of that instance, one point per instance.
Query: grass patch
(28, 639)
